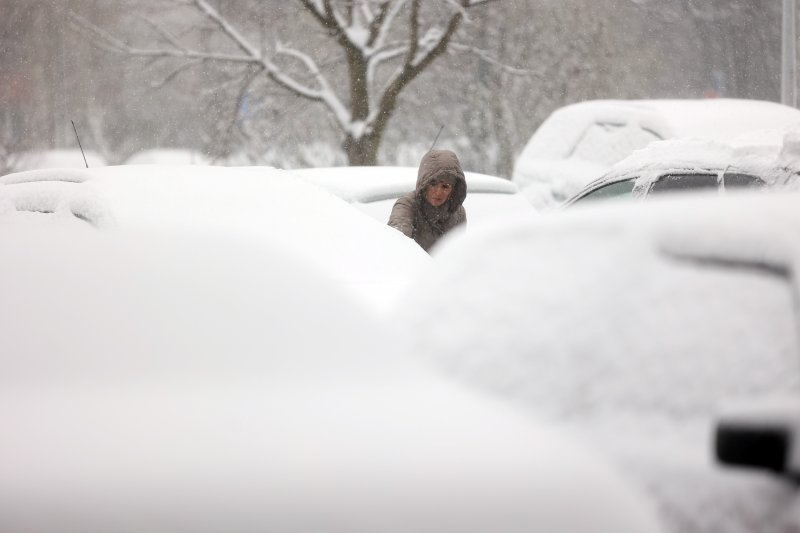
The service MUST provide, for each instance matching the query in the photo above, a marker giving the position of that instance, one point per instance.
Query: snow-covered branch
(107, 41)
(488, 58)
(325, 93)
(252, 56)
(383, 56)
(420, 54)
(364, 32)
(228, 29)
(383, 22)
(366, 11)
(171, 39)
(175, 72)
(460, 6)
(316, 8)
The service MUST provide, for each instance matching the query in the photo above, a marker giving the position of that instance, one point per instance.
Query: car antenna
(79, 143)
(724, 171)
(437, 137)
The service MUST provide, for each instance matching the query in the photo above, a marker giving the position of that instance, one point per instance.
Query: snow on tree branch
(316, 8)
(361, 29)
(413, 36)
(175, 72)
(325, 93)
(485, 56)
(171, 39)
(228, 29)
(383, 22)
(111, 43)
(366, 11)
(434, 43)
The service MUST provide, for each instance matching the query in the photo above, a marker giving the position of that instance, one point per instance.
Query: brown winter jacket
(418, 219)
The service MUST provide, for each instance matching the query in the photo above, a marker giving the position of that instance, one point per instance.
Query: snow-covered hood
(261, 204)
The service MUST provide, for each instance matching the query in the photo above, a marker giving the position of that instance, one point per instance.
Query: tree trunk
(362, 151)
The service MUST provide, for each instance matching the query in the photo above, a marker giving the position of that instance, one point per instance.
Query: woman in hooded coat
(435, 206)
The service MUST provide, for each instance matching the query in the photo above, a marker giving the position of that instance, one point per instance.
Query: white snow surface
(254, 203)
(630, 324)
(168, 379)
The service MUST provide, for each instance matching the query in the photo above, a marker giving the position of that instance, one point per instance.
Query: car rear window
(684, 182)
(735, 179)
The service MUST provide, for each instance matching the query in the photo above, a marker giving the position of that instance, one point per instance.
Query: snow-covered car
(168, 156)
(578, 143)
(64, 158)
(693, 165)
(632, 324)
(375, 189)
(173, 380)
(258, 202)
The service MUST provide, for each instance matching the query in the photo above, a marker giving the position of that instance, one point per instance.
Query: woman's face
(437, 192)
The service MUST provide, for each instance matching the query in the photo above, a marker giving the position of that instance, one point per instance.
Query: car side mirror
(762, 435)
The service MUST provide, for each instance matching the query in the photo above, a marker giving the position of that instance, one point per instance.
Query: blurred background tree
(502, 75)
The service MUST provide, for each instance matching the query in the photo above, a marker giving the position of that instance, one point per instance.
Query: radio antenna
(437, 137)
(79, 143)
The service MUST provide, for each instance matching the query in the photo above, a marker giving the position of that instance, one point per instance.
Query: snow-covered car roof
(256, 203)
(168, 156)
(64, 158)
(675, 153)
(629, 322)
(375, 189)
(371, 184)
(165, 379)
(748, 151)
(720, 119)
(759, 153)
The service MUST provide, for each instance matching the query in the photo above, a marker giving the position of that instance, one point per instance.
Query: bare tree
(24, 106)
(714, 47)
(383, 46)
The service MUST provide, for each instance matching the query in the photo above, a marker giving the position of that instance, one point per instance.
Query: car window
(736, 179)
(608, 142)
(684, 182)
(612, 190)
